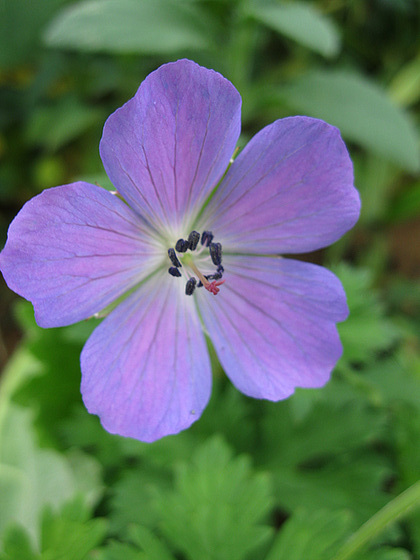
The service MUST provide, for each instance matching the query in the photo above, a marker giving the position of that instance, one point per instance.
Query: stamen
(174, 258)
(210, 281)
(193, 240)
(173, 271)
(182, 246)
(216, 253)
(206, 238)
(210, 286)
(190, 286)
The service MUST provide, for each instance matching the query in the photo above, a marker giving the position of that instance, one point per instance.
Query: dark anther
(173, 271)
(174, 258)
(182, 246)
(220, 269)
(190, 286)
(215, 276)
(193, 240)
(216, 253)
(206, 238)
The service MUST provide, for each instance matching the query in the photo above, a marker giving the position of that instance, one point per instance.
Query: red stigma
(212, 287)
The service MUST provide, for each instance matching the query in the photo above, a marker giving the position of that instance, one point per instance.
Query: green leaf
(301, 22)
(396, 509)
(54, 126)
(129, 26)
(133, 495)
(394, 382)
(55, 389)
(20, 25)
(386, 553)
(229, 414)
(406, 205)
(375, 178)
(216, 509)
(324, 460)
(406, 434)
(153, 547)
(147, 546)
(332, 428)
(69, 535)
(119, 551)
(308, 534)
(17, 545)
(405, 86)
(361, 110)
(29, 477)
(367, 329)
(353, 483)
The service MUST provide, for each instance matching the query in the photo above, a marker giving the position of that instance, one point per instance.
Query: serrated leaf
(129, 26)
(361, 110)
(308, 534)
(133, 495)
(216, 509)
(393, 382)
(230, 414)
(301, 22)
(66, 536)
(367, 329)
(354, 484)
(323, 460)
(146, 546)
(326, 431)
(153, 548)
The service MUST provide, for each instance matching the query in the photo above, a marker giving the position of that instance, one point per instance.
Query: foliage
(299, 479)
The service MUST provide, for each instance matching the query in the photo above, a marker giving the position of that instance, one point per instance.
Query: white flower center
(187, 254)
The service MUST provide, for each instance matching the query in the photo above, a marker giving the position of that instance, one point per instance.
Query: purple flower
(180, 231)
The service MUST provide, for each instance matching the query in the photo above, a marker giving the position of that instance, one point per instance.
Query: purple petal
(145, 369)
(74, 249)
(273, 324)
(290, 190)
(166, 148)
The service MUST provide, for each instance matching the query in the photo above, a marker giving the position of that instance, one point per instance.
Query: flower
(180, 221)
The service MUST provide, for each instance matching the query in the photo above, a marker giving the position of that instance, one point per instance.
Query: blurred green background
(250, 480)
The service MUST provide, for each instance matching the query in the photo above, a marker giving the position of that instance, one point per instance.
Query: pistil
(212, 287)
(211, 282)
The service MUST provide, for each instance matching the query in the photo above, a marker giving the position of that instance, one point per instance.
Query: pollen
(208, 255)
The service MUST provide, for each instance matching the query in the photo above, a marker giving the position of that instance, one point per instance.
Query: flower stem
(393, 510)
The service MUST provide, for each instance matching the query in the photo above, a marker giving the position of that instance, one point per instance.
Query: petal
(273, 324)
(166, 148)
(289, 191)
(74, 249)
(146, 370)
